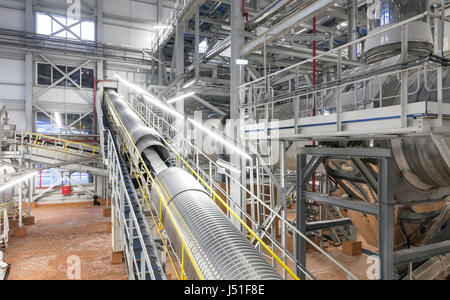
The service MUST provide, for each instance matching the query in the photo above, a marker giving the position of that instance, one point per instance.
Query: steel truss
(383, 209)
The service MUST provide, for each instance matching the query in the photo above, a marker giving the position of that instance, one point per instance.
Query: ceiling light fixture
(173, 100)
(17, 181)
(170, 110)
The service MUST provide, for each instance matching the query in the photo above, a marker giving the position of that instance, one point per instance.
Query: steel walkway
(140, 249)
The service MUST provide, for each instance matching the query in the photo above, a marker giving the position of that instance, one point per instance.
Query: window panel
(87, 125)
(57, 27)
(57, 75)
(44, 123)
(75, 29)
(88, 31)
(87, 77)
(47, 25)
(75, 128)
(44, 74)
(59, 121)
(75, 77)
(43, 24)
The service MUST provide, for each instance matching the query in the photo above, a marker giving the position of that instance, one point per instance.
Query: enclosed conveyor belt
(219, 250)
(136, 234)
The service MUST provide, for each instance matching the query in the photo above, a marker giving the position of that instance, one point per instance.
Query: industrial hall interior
(225, 140)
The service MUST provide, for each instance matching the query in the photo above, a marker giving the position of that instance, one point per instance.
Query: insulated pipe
(271, 10)
(219, 249)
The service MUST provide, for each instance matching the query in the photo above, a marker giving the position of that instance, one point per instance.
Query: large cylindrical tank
(382, 13)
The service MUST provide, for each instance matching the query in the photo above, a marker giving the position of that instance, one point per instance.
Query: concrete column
(161, 65)
(29, 16)
(179, 68)
(236, 71)
(353, 28)
(100, 6)
(197, 43)
(29, 92)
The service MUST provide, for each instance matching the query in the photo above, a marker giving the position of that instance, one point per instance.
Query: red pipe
(99, 81)
(244, 13)
(314, 98)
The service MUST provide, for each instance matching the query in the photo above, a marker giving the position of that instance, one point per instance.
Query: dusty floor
(62, 233)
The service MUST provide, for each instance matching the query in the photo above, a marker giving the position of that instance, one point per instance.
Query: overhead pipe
(270, 11)
(288, 23)
(267, 13)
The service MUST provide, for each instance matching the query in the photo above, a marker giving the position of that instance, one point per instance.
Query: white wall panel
(17, 117)
(12, 92)
(12, 71)
(144, 11)
(116, 35)
(117, 7)
(12, 19)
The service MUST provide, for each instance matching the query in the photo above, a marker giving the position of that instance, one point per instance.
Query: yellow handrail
(216, 196)
(67, 142)
(197, 270)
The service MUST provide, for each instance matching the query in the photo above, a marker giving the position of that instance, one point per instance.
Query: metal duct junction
(219, 249)
(383, 13)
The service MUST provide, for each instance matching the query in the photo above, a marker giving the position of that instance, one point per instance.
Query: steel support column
(300, 243)
(179, 70)
(29, 92)
(386, 217)
(237, 39)
(100, 5)
(197, 42)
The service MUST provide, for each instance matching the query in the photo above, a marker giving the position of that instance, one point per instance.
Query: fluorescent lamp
(228, 166)
(342, 25)
(242, 62)
(189, 83)
(162, 26)
(181, 97)
(58, 120)
(17, 181)
(152, 100)
(149, 97)
(220, 139)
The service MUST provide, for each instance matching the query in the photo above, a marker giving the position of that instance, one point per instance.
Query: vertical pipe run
(314, 85)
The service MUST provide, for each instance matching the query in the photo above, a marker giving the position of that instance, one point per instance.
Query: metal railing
(372, 89)
(121, 200)
(171, 22)
(206, 177)
(62, 146)
(146, 180)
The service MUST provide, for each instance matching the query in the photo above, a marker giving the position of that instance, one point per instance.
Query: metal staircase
(140, 249)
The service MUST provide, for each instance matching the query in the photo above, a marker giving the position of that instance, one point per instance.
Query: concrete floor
(59, 233)
(80, 230)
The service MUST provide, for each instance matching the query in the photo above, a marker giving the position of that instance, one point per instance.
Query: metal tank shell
(382, 13)
(143, 136)
(220, 251)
